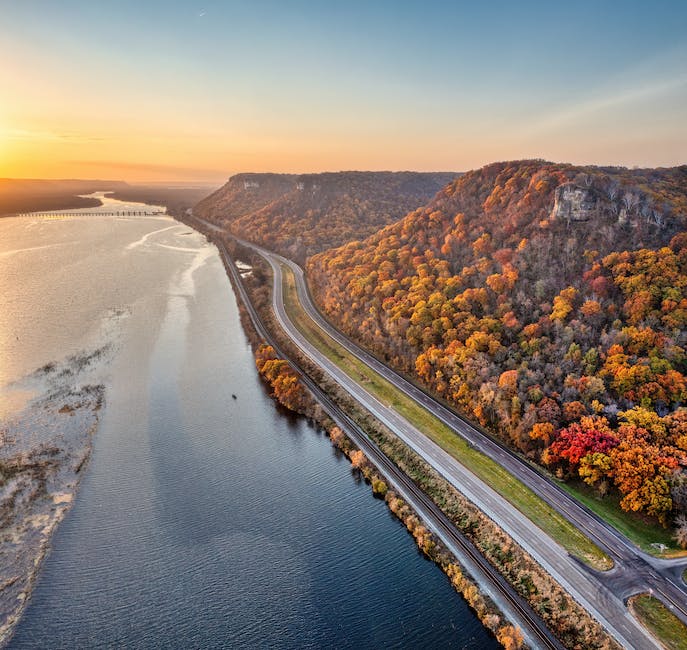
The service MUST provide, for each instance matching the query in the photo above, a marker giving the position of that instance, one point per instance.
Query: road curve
(511, 603)
(635, 571)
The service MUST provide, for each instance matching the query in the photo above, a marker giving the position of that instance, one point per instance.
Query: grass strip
(668, 629)
(638, 529)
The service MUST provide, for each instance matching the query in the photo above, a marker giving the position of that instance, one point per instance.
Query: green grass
(539, 512)
(638, 529)
(661, 622)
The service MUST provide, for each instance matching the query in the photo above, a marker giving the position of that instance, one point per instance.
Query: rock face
(574, 203)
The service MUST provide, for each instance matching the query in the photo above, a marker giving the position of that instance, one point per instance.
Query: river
(204, 520)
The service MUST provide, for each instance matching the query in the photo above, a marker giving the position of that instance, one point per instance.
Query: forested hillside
(549, 303)
(242, 195)
(302, 215)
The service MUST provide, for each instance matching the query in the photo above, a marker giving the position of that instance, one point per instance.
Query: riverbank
(290, 393)
(568, 620)
(43, 453)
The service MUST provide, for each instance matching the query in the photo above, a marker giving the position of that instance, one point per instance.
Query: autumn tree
(285, 384)
(681, 530)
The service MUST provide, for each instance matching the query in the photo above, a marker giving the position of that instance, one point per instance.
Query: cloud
(659, 76)
(612, 100)
(50, 136)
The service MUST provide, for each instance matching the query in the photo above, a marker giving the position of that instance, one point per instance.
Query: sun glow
(5, 149)
(84, 96)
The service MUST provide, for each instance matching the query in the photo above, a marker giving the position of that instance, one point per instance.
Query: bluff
(242, 195)
(548, 302)
(305, 214)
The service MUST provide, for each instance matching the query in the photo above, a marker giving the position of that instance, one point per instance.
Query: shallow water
(203, 520)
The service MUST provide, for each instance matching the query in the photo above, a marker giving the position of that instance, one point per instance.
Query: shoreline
(46, 448)
(480, 601)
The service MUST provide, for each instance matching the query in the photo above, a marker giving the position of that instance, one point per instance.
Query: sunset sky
(164, 90)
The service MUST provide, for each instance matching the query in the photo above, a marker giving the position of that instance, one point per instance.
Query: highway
(601, 594)
(515, 608)
(634, 571)
(583, 585)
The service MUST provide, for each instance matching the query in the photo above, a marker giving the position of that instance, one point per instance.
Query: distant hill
(29, 195)
(243, 194)
(176, 198)
(301, 215)
(549, 303)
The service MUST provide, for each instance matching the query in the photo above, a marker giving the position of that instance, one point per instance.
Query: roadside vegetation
(286, 388)
(668, 629)
(638, 528)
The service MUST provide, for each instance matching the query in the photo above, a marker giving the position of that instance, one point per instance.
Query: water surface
(203, 521)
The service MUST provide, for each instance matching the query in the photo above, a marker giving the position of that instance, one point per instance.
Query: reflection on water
(202, 521)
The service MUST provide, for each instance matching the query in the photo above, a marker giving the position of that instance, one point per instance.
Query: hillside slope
(302, 215)
(548, 302)
(242, 195)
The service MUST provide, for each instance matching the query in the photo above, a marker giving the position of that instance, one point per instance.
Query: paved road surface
(583, 585)
(602, 594)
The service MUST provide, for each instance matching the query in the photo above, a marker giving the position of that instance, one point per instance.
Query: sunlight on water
(202, 520)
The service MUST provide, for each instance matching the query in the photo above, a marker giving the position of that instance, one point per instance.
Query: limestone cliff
(574, 203)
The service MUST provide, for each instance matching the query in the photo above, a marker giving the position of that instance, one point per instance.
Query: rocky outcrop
(574, 203)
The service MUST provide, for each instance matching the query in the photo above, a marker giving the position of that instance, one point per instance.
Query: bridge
(118, 213)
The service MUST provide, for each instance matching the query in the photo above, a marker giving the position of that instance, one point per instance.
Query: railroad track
(533, 626)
